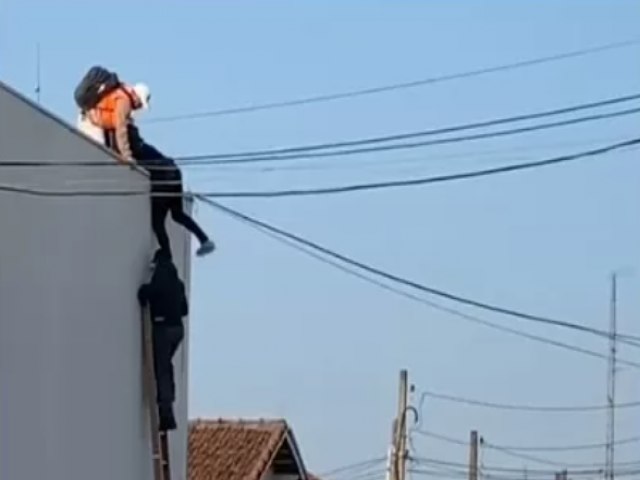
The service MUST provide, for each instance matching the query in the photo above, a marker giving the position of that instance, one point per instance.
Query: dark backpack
(95, 84)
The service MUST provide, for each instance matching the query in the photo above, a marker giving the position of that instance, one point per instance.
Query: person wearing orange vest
(113, 114)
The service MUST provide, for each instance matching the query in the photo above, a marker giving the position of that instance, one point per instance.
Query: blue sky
(278, 334)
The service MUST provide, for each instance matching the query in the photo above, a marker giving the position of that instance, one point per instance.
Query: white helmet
(143, 93)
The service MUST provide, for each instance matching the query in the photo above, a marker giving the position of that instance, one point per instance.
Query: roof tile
(233, 450)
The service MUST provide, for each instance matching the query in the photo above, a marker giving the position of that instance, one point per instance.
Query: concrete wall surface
(71, 403)
(181, 248)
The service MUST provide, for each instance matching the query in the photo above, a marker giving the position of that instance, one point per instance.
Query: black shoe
(167, 419)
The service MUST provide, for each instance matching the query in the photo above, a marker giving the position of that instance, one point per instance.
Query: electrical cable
(234, 159)
(353, 466)
(532, 458)
(434, 305)
(221, 159)
(412, 284)
(527, 408)
(397, 86)
(432, 132)
(515, 475)
(300, 152)
(443, 438)
(516, 152)
(341, 189)
(414, 182)
(628, 339)
(579, 469)
(548, 448)
(566, 448)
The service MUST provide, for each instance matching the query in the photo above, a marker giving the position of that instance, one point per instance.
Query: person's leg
(165, 390)
(174, 336)
(162, 365)
(92, 131)
(180, 216)
(159, 210)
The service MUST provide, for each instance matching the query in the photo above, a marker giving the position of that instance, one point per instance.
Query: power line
(535, 459)
(396, 86)
(632, 340)
(444, 438)
(529, 408)
(462, 474)
(411, 162)
(578, 469)
(221, 159)
(432, 132)
(548, 448)
(431, 304)
(418, 286)
(353, 466)
(339, 189)
(423, 180)
(305, 152)
(561, 448)
(628, 339)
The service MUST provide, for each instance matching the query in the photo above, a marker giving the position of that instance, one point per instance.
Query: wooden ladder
(159, 440)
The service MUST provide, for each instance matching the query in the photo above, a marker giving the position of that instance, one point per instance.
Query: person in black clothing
(165, 295)
(165, 178)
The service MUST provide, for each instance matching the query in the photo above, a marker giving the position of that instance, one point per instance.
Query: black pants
(160, 207)
(160, 169)
(166, 340)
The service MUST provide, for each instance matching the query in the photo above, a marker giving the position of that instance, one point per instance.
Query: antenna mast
(611, 383)
(37, 89)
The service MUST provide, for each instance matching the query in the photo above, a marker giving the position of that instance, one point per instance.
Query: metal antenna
(611, 382)
(37, 90)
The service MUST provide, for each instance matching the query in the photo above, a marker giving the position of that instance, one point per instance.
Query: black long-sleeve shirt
(165, 294)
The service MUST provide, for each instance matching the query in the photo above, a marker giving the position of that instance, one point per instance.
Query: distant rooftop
(242, 450)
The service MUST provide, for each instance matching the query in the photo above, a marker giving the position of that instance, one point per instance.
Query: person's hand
(126, 160)
(143, 295)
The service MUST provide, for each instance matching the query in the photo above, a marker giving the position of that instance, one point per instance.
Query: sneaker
(206, 248)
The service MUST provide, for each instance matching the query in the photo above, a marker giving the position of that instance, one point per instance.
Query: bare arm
(123, 110)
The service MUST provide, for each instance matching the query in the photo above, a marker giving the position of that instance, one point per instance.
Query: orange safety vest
(104, 114)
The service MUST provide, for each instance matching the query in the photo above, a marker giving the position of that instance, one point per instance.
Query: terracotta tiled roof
(234, 450)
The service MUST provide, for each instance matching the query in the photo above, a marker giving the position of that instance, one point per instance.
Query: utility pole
(473, 456)
(400, 437)
(391, 465)
(611, 381)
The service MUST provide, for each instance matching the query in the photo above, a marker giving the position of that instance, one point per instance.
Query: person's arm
(144, 294)
(123, 110)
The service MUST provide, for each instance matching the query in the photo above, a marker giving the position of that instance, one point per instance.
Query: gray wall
(181, 247)
(70, 349)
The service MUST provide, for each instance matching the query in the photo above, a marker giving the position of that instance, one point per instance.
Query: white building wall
(181, 248)
(70, 346)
